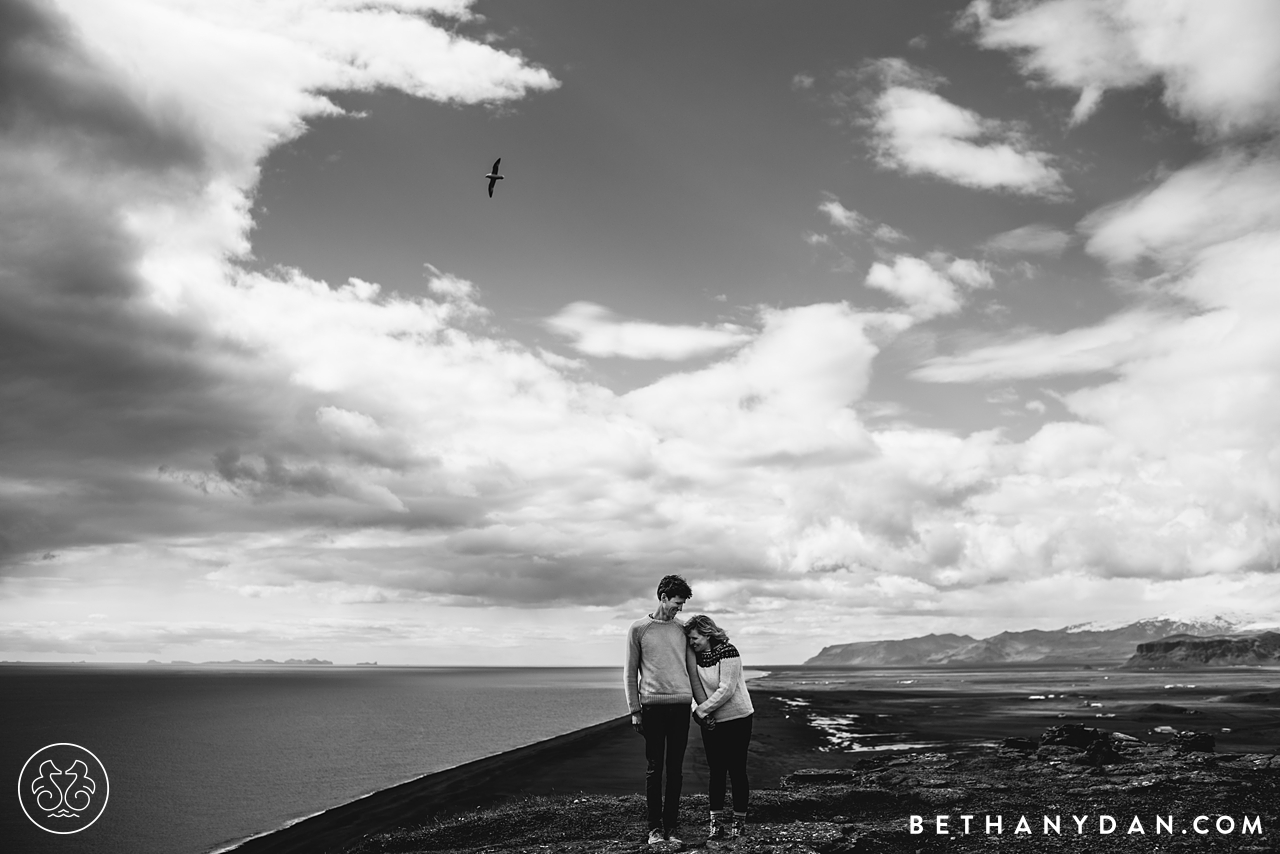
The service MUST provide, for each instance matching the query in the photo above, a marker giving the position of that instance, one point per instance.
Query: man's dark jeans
(666, 733)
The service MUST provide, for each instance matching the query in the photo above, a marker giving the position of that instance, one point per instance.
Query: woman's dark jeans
(726, 747)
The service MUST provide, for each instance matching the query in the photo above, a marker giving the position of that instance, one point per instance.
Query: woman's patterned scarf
(723, 651)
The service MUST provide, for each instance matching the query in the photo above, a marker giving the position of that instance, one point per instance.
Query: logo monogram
(63, 788)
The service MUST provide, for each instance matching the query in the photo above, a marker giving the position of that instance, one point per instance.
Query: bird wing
(492, 181)
(495, 165)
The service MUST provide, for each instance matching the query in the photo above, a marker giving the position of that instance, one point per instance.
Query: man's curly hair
(674, 585)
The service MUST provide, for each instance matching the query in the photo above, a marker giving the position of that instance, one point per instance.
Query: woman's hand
(637, 722)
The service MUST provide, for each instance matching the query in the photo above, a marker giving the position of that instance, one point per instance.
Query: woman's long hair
(708, 627)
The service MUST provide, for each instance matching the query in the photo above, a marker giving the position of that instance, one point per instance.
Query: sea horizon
(203, 757)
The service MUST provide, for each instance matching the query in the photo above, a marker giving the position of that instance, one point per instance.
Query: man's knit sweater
(660, 665)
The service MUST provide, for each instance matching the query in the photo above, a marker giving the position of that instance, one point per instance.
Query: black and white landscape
(875, 319)
(1158, 642)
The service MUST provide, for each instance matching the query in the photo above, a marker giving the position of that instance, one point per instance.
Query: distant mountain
(260, 662)
(1076, 643)
(892, 652)
(1187, 650)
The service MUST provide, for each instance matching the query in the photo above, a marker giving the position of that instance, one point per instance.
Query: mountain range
(1082, 643)
(1217, 650)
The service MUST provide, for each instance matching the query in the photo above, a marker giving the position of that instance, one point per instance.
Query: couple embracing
(673, 667)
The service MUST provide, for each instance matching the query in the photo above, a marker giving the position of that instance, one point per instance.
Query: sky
(871, 319)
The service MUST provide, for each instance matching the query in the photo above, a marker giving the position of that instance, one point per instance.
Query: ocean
(202, 757)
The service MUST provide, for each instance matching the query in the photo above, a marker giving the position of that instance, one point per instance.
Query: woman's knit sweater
(720, 688)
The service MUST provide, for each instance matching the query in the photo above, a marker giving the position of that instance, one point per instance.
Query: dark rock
(873, 842)
(1189, 741)
(1073, 735)
(1056, 751)
(1017, 743)
(818, 776)
(1099, 753)
(940, 796)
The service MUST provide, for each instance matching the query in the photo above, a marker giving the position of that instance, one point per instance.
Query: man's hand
(637, 722)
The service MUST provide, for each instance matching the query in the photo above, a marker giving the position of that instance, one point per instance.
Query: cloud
(1216, 60)
(246, 452)
(970, 273)
(1094, 349)
(889, 234)
(927, 292)
(853, 222)
(1227, 196)
(1171, 442)
(840, 216)
(1029, 240)
(919, 132)
(1081, 45)
(596, 331)
(802, 81)
(158, 389)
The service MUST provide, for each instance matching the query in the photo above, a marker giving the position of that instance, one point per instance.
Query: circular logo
(63, 788)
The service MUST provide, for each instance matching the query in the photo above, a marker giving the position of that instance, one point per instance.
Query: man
(659, 677)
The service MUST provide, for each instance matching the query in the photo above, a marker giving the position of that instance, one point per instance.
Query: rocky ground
(1088, 779)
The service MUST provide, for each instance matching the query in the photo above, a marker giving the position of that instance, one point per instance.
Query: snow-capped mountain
(1093, 643)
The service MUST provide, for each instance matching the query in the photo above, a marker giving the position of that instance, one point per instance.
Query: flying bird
(493, 176)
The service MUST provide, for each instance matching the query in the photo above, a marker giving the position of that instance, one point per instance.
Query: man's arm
(695, 683)
(631, 676)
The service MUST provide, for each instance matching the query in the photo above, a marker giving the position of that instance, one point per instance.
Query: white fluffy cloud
(919, 132)
(928, 291)
(1095, 349)
(266, 455)
(1166, 472)
(1216, 58)
(596, 331)
(840, 216)
(1212, 202)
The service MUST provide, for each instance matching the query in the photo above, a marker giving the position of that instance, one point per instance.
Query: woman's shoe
(656, 836)
(739, 827)
(717, 829)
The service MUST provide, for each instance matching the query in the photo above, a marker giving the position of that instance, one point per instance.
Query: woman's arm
(695, 681)
(730, 674)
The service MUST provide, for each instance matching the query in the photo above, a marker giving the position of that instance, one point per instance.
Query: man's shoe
(739, 827)
(671, 837)
(656, 836)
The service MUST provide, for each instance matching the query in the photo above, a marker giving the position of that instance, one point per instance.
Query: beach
(818, 719)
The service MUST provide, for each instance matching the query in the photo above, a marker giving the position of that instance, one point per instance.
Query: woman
(724, 713)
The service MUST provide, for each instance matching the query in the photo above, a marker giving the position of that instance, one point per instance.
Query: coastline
(840, 721)
(439, 791)
(594, 759)
(606, 759)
